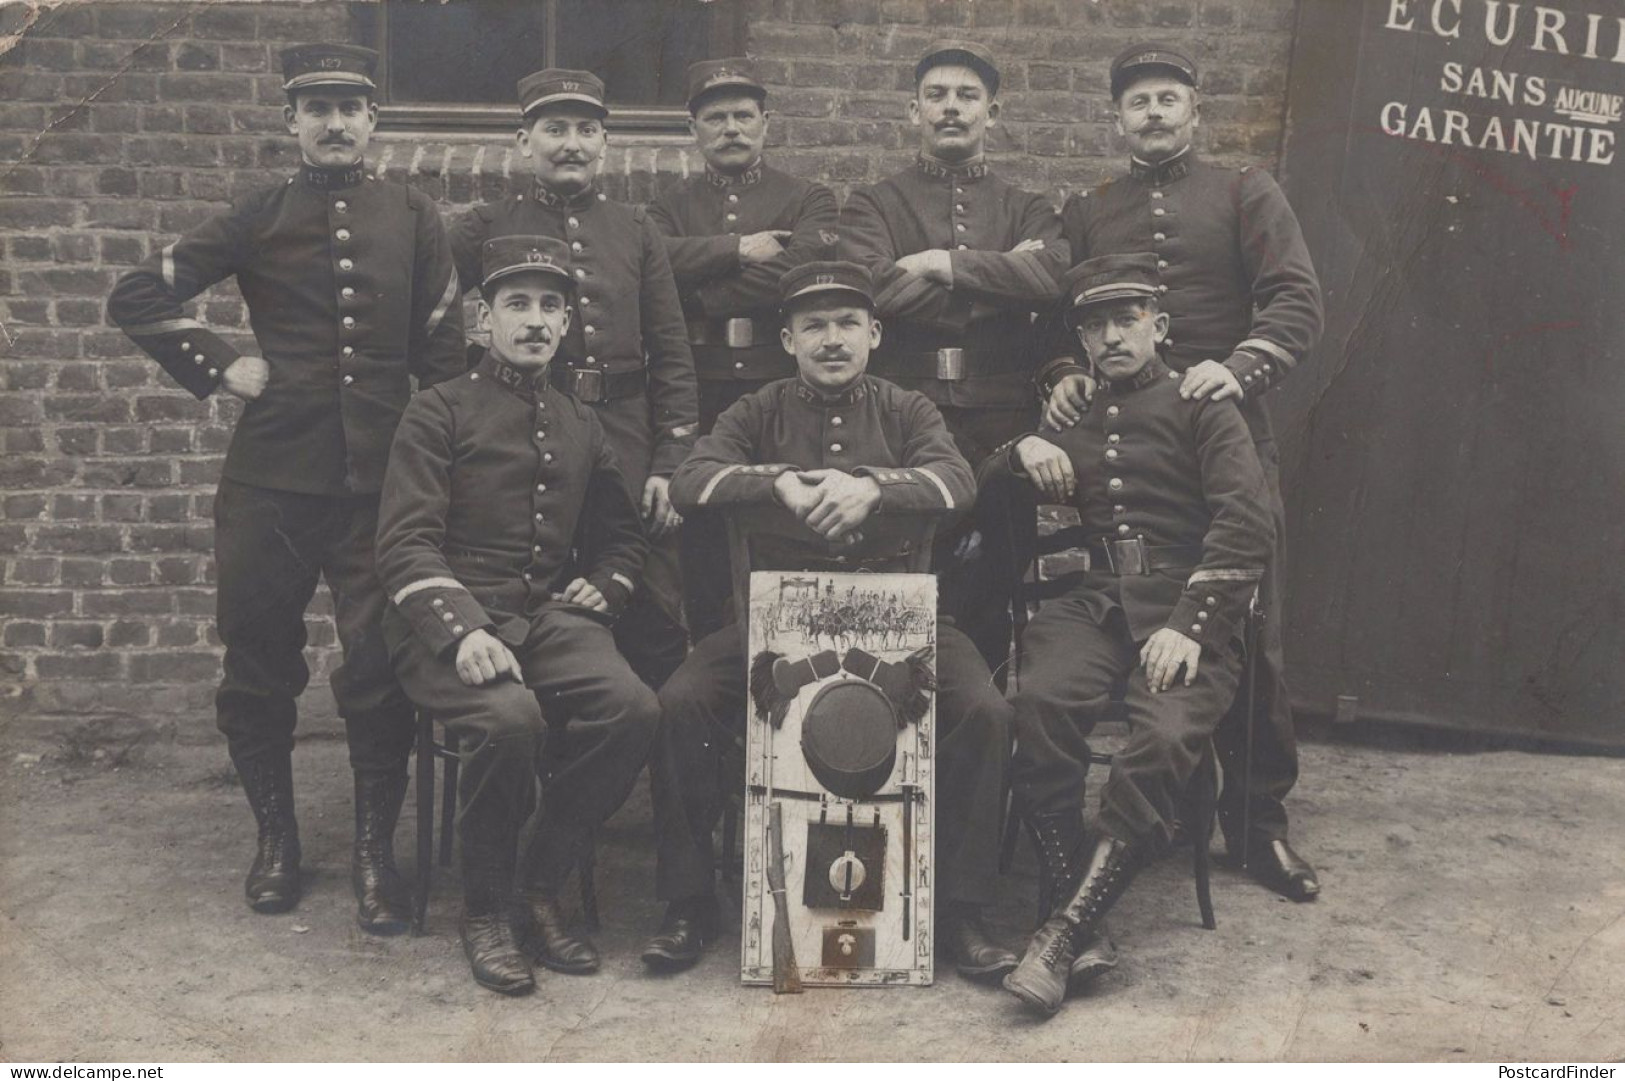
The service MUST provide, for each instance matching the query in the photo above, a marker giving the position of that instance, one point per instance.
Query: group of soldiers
(526, 537)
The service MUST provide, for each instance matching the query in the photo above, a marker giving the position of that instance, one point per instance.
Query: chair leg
(1011, 832)
(425, 822)
(448, 800)
(1204, 801)
(1250, 639)
(589, 887)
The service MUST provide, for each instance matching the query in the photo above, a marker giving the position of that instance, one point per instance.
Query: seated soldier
(494, 479)
(836, 447)
(1172, 499)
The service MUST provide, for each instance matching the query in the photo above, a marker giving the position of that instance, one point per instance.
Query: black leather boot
(550, 941)
(976, 955)
(1059, 838)
(383, 903)
(1274, 863)
(273, 883)
(689, 925)
(1040, 979)
(1095, 957)
(489, 941)
(548, 861)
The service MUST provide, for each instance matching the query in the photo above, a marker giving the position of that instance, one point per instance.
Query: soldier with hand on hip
(351, 293)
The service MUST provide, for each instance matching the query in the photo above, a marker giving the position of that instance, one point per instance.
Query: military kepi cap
(1146, 56)
(970, 54)
(328, 65)
(504, 256)
(1111, 277)
(736, 73)
(830, 276)
(552, 85)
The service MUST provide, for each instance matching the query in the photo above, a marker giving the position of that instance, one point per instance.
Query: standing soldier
(627, 354)
(495, 479)
(350, 290)
(1246, 308)
(731, 234)
(962, 260)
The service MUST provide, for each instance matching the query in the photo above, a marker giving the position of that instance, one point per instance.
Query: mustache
(836, 354)
(335, 140)
(541, 337)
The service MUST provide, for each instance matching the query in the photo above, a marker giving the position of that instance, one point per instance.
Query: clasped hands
(829, 502)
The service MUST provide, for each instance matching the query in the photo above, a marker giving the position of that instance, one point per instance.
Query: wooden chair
(445, 750)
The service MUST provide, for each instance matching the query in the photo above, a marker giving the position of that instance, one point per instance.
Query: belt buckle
(1128, 557)
(1053, 566)
(587, 384)
(740, 332)
(951, 364)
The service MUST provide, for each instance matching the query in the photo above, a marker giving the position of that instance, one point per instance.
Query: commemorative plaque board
(840, 740)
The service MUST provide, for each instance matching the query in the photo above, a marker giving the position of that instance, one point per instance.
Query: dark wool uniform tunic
(978, 218)
(501, 490)
(628, 324)
(627, 315)
(1182, 476)
(1236, 273)
(897, 437)
(351, 293)
(1240, 289)
(350, 290)
(702, 219)
(989, 313)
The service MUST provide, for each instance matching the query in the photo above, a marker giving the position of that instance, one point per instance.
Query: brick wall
(124, 123)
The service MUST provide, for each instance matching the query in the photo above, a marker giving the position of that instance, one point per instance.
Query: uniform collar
(1166, 172)
(738, 180)
(325, 179)
(581, 200)
(523, 383)
(936, 170)
(854, 393)
(1154, 372)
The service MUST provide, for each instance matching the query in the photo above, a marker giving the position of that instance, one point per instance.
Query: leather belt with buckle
(1132, 557)
(592, 386)
(947, 364)
(740, 332)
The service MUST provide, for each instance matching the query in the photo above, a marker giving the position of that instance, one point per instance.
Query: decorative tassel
(922, 682)
(763, 691)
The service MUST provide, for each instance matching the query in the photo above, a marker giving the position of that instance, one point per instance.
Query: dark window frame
(371, 24)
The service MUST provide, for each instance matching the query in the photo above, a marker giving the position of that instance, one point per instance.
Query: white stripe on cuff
(426, 583)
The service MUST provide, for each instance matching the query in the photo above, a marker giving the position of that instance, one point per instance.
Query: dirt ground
(1474, 909)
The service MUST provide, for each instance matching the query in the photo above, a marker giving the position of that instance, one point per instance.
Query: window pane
(474, 51)
(640, 48)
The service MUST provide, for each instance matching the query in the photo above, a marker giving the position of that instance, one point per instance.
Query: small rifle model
(786, 976)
